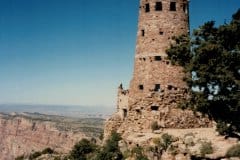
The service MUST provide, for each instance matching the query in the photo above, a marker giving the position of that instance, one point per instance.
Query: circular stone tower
(157, 86)
(159, 22)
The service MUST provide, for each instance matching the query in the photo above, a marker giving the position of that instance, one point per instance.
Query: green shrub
(20, 157)
(142, 158)
(234, 151)
(223, 128)
(35, 155)
(173, 150)
(57, 158)
(154, 126)
(104, 155)
(126, 154)
(206, 148)
(111, 149)
(139, 153)
(48, 151)
(166, 141)
(82, 149)
(163, 143)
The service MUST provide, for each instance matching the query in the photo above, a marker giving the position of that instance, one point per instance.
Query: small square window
(161, 33)
(147, 7)
(157, 58)
(173, 6)
(157, 88)
(140, 87)
(170, 87)
(154, 108)
(158, 6)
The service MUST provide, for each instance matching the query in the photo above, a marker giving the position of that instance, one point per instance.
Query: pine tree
(211, 59)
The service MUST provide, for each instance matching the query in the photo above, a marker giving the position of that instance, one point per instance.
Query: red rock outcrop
(20, 135)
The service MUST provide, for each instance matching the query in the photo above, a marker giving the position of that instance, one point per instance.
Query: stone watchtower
(159, 21)
(157, 86)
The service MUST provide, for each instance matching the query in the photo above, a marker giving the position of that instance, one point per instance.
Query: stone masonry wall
(122, 102)
(155, 31)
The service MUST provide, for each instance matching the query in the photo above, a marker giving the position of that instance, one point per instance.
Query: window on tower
(157, 58)
(143, 32)
(170, 87)
(140, 87)
(157, 88)
(158, 6)
(147, 7)
(124, 113)
(154, 108)
(185, 8)
(173, 6)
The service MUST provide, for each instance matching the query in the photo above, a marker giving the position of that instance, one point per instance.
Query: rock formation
(24, 134)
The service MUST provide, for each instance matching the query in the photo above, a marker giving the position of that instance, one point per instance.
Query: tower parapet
(159, 21)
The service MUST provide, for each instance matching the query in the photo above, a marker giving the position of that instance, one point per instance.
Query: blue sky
(76, 51)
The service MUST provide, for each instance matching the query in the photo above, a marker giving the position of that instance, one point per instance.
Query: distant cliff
(25, 133)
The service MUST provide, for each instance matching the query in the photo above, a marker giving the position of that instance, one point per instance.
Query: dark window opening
(161, 33)
(147, 7)
(143, 33)
(158, 58)
(170, 87)
(124, 113)
(141, 87)
(158, 6)
(157, 88)
(154, 108)
(185, 8)
(173, 6)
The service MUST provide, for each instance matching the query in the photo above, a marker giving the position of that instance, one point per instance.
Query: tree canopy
(211, 59)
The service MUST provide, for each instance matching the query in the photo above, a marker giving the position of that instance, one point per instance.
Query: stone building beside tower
(157, 86)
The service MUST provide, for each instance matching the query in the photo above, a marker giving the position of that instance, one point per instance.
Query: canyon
(25, 133)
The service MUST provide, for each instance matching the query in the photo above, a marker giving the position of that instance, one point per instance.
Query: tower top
(159, 21)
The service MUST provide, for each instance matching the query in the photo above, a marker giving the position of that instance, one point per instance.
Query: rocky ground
(186, 142)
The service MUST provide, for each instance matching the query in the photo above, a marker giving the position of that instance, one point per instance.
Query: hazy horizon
(62, 110)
